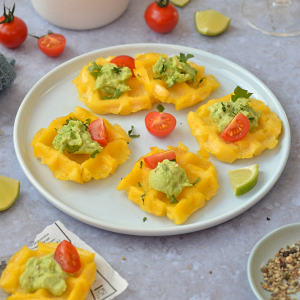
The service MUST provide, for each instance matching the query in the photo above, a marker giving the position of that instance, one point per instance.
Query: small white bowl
(80, 14)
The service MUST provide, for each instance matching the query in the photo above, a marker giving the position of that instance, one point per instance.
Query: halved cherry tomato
(160, 124)
(124, 61)
(153, 160)
(98, 132)
(67, 257)
(237, 128)
(52, 44)
(161, 16)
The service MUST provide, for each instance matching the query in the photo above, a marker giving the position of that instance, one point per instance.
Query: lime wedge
(211, 22)
(180, 3)
(244, 179)
(9, 192)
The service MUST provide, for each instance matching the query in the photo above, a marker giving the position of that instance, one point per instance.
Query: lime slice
(211, 22)
(9, 192)
(180, 3)
(244, 179)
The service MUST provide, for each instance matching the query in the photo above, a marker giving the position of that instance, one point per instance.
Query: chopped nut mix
(281, 274)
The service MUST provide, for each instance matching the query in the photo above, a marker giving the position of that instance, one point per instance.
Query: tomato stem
(162, 3)
(38, 37)
(8, 18)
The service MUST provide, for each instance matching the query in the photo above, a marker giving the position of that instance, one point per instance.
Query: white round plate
(266, 248)
(98, 203)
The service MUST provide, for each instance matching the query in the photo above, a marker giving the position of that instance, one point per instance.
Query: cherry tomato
(237, 128)
(161, 16)
(98, 132)
(13, 30)
(124, 61)
(67, 257)
(160, 124)
(52, 44)
(153, 160)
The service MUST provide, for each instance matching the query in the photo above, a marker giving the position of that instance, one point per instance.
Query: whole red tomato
(161, 16)
(13, 30)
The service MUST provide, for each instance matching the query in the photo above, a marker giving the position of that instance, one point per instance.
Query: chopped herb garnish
(139, 184)
(141, 164)
(143, 197)
(223, 107)
(184, 58)
(56, 129)
(138, 75)
(88, 121)
(164, 167)
(180, 123)
(132, 135)
(251, 118)
(71, 119)
(196, 181)
(201, 80)
(117, 70)
(95, 69)
(173, 159)
(173, 200)
(127, 143)
(240, 93)
(160, 108)
(232, 111)
(144, 219)
(116, 95)
(94, 154)
(157, 78)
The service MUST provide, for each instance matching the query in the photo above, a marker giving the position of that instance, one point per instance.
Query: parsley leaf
(143, 197)
(95, 69)
(138, 75)
(117, 70)
(56, 129)
(160, 108)
(173, 159)
(144, 219)
(223, 107)
(184, 58)
(232, 112)
(117, 95)
(141, 164)
(173, 200)
(132, 135)
(139, 184)
(94, 154)
(251, 119)
(201, 80)
(196, 181)
(240, 93)
(88, 121)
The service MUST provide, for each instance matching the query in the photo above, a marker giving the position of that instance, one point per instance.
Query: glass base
(271, 18)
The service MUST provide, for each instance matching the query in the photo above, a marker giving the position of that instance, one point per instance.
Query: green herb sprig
(132, 135)
(240, 93)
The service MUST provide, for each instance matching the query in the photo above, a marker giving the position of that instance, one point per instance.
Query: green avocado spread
(112, 80)
(174, 69)
(41, 273)
(222, 113)
(168, 177)
(74, 137)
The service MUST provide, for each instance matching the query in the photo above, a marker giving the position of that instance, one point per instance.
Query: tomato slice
(67, 257)
(237, 128)
(124, 61)
(153, 160)
(160, 124)
(98, 132)
(52, 44)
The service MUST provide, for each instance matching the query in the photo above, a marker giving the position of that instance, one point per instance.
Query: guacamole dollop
(222, 113)
(168, 177)
(74, 137)
(112, 79)
(43, 272)
(173, 70)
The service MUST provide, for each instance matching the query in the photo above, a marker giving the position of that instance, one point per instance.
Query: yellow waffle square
(81, 167)
(189, 200)
(264, 136)
(78, 286)
(134, 100)
(183, 94)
